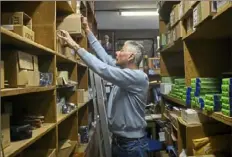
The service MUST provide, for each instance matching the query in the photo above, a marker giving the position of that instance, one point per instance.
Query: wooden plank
(18, 91)
(63, 117)
(11, 38)
(177, 101)
(176, 46)
(69, 152)
(17, 147)
(64, 7)
(64, 59)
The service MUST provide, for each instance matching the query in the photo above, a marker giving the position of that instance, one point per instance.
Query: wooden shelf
(18, 91)
(62, 117)
(177, 101)
(64, 7)
(17, 147)
(11, 38)
(176, 46)
(215, 27)
(64, 59)
(215, 115)
(80, 105)
(69, 152)
(79, 62)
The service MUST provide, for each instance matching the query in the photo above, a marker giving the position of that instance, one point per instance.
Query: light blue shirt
(127, 100)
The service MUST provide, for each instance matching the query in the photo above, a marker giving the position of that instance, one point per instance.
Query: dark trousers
(124, 147)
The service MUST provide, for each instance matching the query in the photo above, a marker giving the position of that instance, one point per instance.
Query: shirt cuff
(91, 37)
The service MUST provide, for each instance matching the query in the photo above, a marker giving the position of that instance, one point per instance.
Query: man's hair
(137, 48)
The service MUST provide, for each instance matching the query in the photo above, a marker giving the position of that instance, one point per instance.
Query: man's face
(106, 39)
(123, 57)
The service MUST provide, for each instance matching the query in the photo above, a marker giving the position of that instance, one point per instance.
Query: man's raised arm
(97, 47)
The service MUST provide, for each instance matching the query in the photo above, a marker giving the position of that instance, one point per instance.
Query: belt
(125, 139)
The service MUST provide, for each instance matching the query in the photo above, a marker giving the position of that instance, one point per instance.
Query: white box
(165, 88)
(192, 117)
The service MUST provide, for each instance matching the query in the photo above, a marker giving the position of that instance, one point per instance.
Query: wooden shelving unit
(202, 51)
(42, 100)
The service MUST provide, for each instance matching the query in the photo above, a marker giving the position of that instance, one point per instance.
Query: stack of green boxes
(212, 102)
(178, 89)
(202, 87)
(226, 98)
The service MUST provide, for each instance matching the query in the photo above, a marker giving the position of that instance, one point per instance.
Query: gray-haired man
(126, 105)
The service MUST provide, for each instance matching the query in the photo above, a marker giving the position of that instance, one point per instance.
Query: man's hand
(85, 24)
(65, 36)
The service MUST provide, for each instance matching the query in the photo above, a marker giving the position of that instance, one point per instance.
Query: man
(126, 104)
(107, 45)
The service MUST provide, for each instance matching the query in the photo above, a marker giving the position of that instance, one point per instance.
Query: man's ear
(131, 57)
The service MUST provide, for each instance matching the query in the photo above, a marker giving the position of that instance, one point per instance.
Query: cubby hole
(172, 64)
(82, 77)
(67, 136)
(43, 19)
(207, 58)
(45, 146)
(33, 104)
(27, 72)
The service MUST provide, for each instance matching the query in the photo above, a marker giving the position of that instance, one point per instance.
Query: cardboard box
(21, 30)
(221, 5)
(2, 74)
(71, 23)
(5, 130)
(179, 31)
(176, 13)
(86, 96)
(19, 69)
(189, 132)
(16, 18)
(192, 117)
(33, 78)
(80, 95)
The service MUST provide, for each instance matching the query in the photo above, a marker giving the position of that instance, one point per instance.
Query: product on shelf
(5, 129)
(2, 74)
(46, 79)
(205, 89)
(18, 22)
(20, 132)
(24, 68)
(84, 133)
(226, 98)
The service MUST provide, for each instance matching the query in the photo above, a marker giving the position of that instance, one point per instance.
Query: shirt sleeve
(124, 78)
(100, 51)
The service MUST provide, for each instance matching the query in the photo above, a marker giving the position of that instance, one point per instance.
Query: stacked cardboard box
(19, 23)
(226, 98)
(201, 87)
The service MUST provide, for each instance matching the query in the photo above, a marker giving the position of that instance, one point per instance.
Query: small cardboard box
(2, 74)
(21, 30)
(80, 95)
(16, 18)
(18, 67)
(223, 4)
(5, 127)
(179, 31)
(71, 23)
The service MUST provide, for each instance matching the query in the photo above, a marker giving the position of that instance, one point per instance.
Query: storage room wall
(128, 27)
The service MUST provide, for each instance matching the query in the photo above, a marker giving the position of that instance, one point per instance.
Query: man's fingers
(64, 38)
